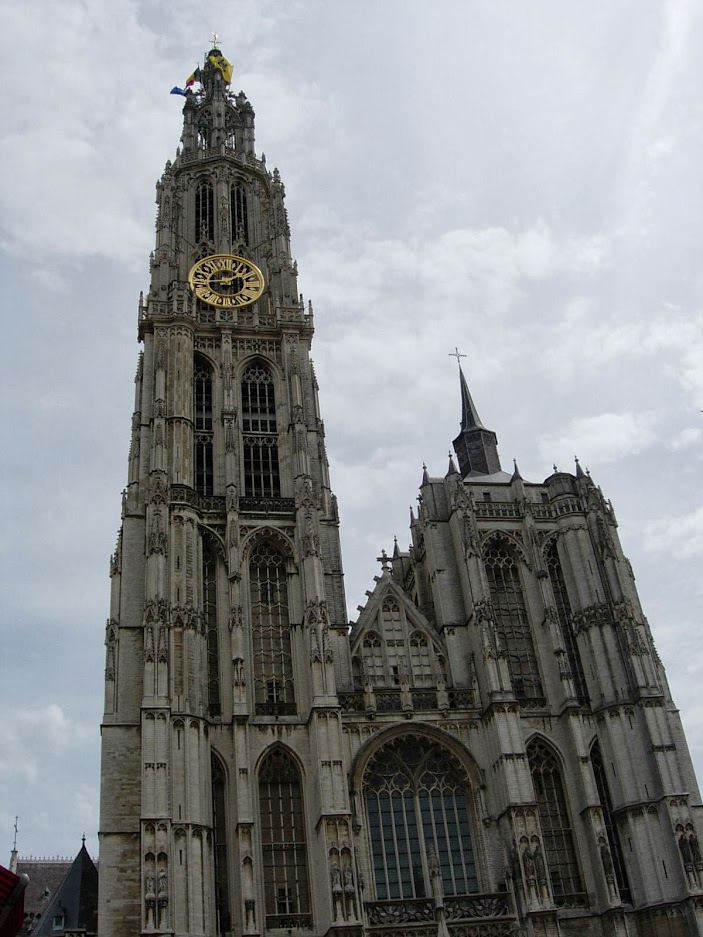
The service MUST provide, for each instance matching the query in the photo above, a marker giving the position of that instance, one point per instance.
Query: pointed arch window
(260, 439)
(286, 881)
(394, 636)
(611, 829)
(372, 652)
(558, 839)
(240, 213)
(219, 827)
(420, 660)
(512, 622)
(270, 629)
(357, 673)
(211, 630)
(563, 609)
(418, 807)
(202, 410)
(204, 212)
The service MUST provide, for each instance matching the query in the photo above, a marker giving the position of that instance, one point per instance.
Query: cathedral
(491, 748)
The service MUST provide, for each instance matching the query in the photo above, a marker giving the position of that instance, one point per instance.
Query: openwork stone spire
(214, 117)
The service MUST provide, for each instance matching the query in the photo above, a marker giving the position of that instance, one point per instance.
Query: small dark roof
(75, 896)
(45, 878)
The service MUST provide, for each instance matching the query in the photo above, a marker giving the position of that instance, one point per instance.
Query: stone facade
(492, 746)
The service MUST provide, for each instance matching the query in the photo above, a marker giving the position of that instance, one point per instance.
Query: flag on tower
(193, 78)
(190, 81)
(222, 65)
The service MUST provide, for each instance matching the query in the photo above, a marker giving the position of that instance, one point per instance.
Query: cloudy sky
(521, 180)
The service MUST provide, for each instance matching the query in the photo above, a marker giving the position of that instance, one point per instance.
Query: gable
(393, 643)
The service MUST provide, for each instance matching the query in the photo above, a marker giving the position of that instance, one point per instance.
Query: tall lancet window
(512, 623)
(558, 838)
(260, 436)
(286, 889)
(372, 656)
(563, 609)
(219, 829)
(240, 216)
(419, 814)
(270, 630)
(202, 410)
(611, 829)
(211, 630)
(420, 661)
(204, 212)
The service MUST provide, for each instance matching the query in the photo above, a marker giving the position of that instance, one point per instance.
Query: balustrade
(391, 913)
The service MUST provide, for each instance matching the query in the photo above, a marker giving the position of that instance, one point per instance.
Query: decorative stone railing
(423, 699)
(276, 709)
(497, 509)
(208, 504)
(289, 921)
(387, 701)
(568, 506)
(456, 908)
(461, 698)
(216, 504)
(470, 907)
(515, 509)
(267, 505)
(400, 911)
(576, 900)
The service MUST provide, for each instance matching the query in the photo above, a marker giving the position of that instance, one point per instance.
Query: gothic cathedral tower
(492, 747)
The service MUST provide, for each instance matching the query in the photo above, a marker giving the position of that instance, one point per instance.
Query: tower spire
(476, 447)
(469, 414)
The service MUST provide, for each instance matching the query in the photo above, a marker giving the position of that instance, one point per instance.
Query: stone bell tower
(227, 593)
(491, 748)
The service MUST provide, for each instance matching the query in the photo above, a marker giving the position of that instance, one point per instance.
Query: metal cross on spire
(456, 354)
(215, 40)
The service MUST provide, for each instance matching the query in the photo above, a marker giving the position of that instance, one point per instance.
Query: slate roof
(61, 888)
(45, 878)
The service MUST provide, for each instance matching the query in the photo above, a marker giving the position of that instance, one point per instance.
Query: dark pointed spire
(76, 899)
(452, 470)
(579, 470)
(516, 472)
(476, 447)
(425, 476)
(469, 414)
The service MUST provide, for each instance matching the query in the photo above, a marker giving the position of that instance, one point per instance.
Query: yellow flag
(222, 65)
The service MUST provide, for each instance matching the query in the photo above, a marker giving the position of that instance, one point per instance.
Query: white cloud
(31, 738)
(685, 439)
(681, 536)
(85, 807)
(601, 439)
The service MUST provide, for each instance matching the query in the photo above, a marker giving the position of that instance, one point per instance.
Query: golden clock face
(225, 280)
